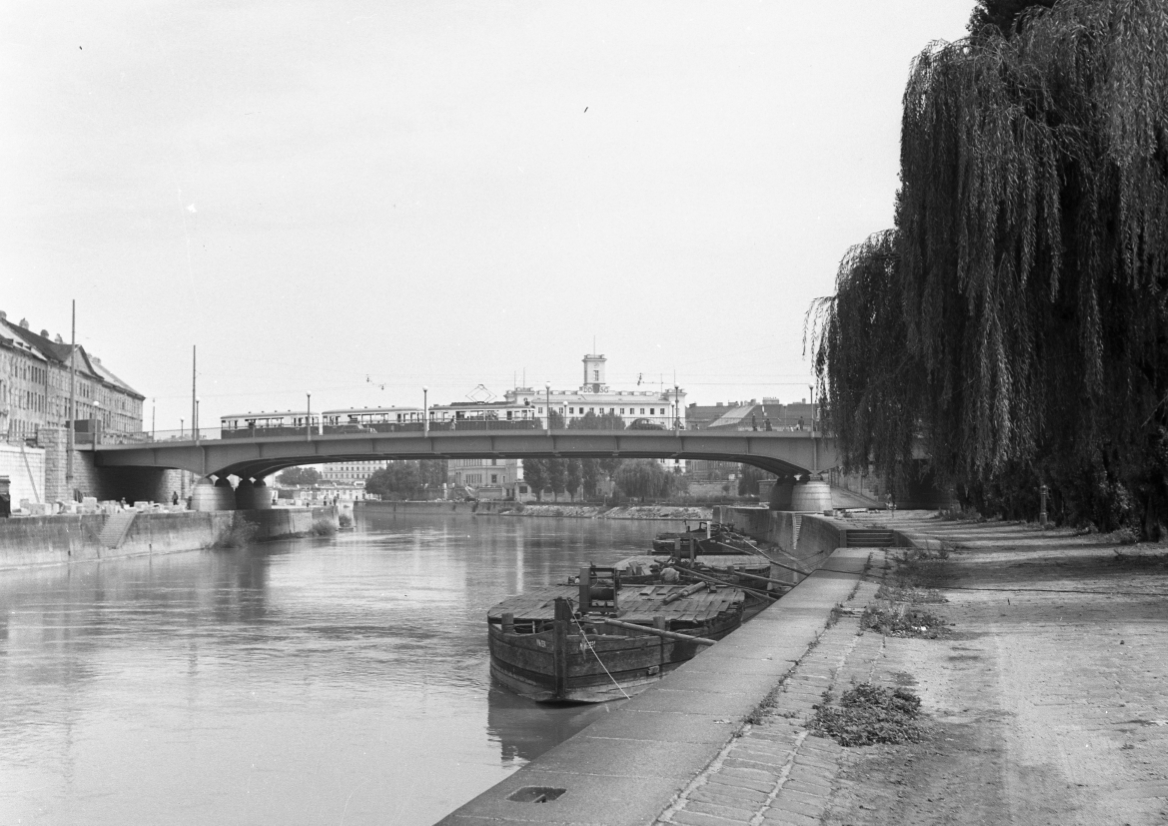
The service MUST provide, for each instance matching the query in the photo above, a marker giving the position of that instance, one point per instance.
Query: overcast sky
(356, 198)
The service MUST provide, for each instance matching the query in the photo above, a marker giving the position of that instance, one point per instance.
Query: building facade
(664, 408)
(503, 478)
(351, 473)
(45, 383)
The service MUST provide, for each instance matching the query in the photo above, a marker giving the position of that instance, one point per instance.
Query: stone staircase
(113, 533)
(869, 538)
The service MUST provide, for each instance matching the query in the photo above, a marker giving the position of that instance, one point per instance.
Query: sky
(359, 198)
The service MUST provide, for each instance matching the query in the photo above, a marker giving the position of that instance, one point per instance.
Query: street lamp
(195, 423)
(548, 387)
(308, 419)
(425, 411)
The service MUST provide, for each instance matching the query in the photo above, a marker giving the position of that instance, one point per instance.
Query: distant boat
(600, 639)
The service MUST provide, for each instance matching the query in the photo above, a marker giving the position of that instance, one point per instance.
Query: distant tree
(535, 473)
(748, 479)
(557, 476)
(590, 477)
(644, 478)
(574, 473)
(556, 419)
(299, 476)
(594, 421)
(408, 479)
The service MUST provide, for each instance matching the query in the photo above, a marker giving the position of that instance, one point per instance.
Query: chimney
(24, 323)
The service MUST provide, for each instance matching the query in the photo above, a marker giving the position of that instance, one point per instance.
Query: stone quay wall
(65, 538)
(807, 539)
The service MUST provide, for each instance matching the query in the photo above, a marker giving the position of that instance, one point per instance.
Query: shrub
(322, 527)
(345, 521)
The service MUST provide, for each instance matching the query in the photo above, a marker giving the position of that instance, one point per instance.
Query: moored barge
(599, 639)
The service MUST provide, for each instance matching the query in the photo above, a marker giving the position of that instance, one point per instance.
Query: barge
(599, 639)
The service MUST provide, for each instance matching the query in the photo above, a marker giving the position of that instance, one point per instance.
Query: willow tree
(1022, 298)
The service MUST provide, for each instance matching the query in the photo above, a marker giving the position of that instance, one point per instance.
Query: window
(642, 411)
(596, 375)
(494, 478)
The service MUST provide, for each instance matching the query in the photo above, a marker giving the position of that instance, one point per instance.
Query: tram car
(276, 423)
(484, 416)
(373, 419)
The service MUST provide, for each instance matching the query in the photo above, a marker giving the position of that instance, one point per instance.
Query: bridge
(786, 454)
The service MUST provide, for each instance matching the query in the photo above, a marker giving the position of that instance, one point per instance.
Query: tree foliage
(643, 479)
(1016, 316)
(535, 473)
(408, 479)
(299, 476)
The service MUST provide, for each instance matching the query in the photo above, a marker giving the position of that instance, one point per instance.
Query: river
(309, 681)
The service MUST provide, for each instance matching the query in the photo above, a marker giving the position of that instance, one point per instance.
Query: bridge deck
(783, 453)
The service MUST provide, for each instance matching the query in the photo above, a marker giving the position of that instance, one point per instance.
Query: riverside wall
(61, 539)
(807, 539)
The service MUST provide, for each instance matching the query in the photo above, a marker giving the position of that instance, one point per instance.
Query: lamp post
(548, 388)
(195, 422)
(426, 411)
(308, 419)
(182, 428)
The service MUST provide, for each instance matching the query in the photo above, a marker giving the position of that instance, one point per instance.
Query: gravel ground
(1048, 699)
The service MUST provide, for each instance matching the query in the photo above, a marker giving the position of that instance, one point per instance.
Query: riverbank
(65, 538)
(1036, 656)
(1048, 695)
(549, 510)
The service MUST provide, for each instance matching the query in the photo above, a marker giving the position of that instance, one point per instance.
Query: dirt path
(1049, 700)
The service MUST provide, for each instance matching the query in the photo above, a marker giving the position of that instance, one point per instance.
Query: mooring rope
(588, 642)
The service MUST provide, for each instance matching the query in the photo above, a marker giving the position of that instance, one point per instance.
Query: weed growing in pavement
(908, 593)
(900, 619)
(765, 708)
(869, 714)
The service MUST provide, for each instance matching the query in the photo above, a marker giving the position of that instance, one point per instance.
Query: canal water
(311, 681)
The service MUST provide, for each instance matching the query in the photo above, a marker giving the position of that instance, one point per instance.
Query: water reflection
(295, 682)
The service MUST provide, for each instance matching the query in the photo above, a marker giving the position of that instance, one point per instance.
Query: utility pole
(194, 392)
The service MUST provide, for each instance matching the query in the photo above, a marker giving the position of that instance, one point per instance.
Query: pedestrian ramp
(113, 533)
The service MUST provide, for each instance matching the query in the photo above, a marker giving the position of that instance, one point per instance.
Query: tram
(443, 417)
(277, 423)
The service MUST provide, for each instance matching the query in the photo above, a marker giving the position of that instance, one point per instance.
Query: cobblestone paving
(775, 772)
